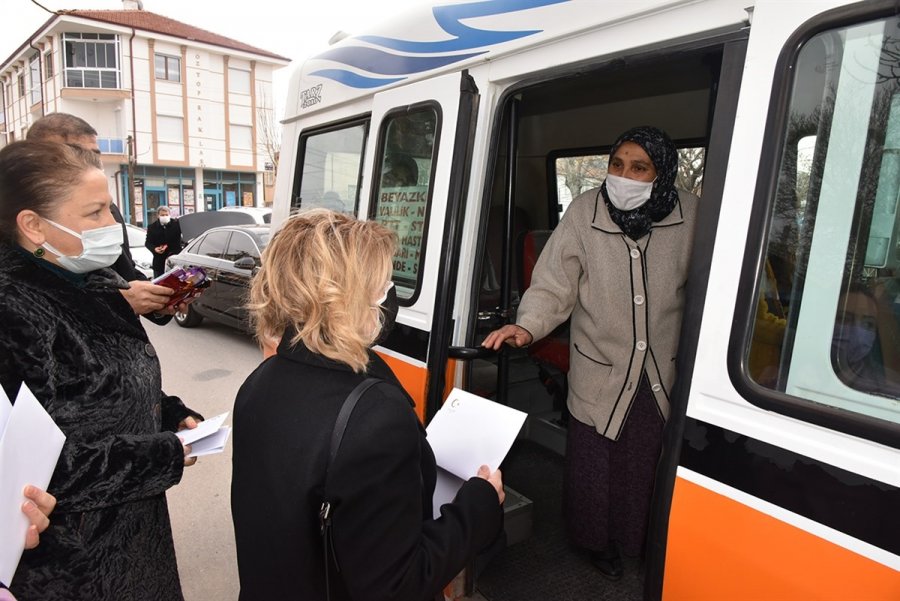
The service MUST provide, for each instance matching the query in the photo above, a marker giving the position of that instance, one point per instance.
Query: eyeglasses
(387, 288)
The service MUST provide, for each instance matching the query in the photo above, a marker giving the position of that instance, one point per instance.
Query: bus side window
(401, 191)
(329, 168)
(577, 174)
(827, 322)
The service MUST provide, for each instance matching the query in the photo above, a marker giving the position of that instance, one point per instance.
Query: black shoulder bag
(325, 513)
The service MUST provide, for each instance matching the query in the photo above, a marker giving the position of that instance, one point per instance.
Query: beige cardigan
(625, 299)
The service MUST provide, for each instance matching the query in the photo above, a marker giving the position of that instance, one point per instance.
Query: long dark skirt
(608, 484)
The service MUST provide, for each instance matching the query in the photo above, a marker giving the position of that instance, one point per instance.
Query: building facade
(184, 116)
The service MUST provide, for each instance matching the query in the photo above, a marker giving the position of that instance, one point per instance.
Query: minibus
(469, 126)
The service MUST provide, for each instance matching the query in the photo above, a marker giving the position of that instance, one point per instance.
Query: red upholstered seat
(551, 353)
(553, 350)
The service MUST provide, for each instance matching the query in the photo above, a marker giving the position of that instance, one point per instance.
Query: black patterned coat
(82, 351)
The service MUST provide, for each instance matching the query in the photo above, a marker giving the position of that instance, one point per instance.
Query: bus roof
(448, 36)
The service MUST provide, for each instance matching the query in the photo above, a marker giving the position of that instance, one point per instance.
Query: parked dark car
(230, 257)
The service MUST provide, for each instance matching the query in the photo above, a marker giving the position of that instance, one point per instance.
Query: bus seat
(551, 353)
(489, 297)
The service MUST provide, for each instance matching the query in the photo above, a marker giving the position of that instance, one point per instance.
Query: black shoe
(609, 563)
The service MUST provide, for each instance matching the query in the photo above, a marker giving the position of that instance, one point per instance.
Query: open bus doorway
(560, 132)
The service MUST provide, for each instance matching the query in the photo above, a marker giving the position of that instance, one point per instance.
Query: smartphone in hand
(186, 282)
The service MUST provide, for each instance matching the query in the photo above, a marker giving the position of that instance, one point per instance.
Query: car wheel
(189, 318)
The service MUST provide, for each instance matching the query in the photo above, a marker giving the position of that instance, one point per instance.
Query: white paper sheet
(467, 432)
(5, 410)
(208, 437)
(445, 490)
(29, 449)
(214, 443)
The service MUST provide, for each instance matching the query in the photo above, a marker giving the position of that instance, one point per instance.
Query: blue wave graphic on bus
(385, 63)
(449, 18)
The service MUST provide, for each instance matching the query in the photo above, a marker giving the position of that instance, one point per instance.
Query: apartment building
(184, 116)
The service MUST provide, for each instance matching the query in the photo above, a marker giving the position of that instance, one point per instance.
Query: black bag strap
(344, 416)
(337, 435)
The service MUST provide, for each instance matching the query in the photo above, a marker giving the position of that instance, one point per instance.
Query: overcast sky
(292, 28)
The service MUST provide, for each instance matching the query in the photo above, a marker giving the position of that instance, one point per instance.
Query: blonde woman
(319, 293)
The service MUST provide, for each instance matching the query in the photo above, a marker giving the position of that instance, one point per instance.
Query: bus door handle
(467, 353)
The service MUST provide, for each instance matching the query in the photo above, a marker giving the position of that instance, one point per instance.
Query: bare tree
(582, 173)
(690, 169)
(269, 128)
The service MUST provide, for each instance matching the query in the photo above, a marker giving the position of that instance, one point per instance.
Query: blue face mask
(853, 342)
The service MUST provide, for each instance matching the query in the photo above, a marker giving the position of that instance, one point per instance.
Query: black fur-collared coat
(76, 343)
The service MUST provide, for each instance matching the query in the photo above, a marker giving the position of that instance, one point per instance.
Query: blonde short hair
(321, 275)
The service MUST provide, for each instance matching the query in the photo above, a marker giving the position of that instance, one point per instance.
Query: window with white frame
(167, 67)
(21, 82)
(48, 65)
(34, 72)
(170, 129)
(91, 60)
(827, 319)
(238, 81)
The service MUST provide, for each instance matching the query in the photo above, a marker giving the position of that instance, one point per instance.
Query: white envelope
(29, 449)
(214, 443)
(208, 437)
(467, 432)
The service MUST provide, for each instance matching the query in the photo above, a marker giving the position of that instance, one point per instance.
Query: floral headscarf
(663, 198)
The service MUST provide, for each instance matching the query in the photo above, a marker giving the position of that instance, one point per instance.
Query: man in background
(163, 239)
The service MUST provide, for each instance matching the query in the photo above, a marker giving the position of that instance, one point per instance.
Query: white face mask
(378, 325)
(627, 194)
(383, 297)
(164, 219)
(100, 248)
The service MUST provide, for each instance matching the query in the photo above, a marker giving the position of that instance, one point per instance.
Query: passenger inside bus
(856, 351)
(399, 170)
(621, 369)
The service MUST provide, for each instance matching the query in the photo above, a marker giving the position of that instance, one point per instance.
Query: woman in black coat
(323, 279)
(73, 339)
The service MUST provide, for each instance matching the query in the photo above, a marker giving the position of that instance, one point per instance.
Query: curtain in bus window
(827, 325)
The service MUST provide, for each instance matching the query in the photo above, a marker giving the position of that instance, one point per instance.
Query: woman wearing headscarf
(617, 265)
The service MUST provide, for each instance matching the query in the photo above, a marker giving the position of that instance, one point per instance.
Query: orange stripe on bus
(415, 380)
(721, 549)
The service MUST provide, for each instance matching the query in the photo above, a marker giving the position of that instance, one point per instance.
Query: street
(205, 366)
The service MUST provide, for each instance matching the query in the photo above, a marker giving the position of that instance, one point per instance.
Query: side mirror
(247, 263)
